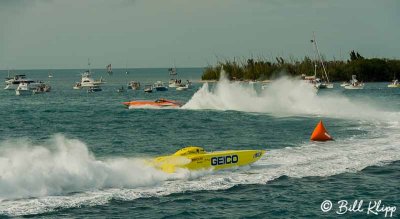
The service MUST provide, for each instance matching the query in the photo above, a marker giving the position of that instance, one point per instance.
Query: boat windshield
(190, 150)
(161, 101)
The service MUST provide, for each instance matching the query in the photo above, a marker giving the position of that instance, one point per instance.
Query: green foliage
(366, 69)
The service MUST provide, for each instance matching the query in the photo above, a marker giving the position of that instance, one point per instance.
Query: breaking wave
(62, 166)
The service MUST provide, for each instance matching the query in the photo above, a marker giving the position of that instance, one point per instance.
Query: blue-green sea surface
(69, 153)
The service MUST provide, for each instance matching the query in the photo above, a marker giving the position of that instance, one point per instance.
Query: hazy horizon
(56, 34)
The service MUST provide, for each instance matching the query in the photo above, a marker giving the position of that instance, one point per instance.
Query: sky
(54, 34)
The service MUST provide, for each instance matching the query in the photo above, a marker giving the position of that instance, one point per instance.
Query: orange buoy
(320, 133)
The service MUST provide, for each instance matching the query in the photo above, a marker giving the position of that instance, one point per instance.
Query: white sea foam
(283, 97)
(63, 173)
(63, 165)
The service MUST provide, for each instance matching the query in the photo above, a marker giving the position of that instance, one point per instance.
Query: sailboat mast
(315, 60)
(88, 60)
(315, 70)
(320, 58)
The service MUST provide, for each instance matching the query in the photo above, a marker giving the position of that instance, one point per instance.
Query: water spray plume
(283, 97)
(64, 165)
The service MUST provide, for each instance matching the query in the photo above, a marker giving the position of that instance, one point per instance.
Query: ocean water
(69, 153)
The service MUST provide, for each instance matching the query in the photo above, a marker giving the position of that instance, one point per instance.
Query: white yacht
(28, 87)
(41, 88)
(174, 83)
(344, 84)
(182, 87)
(87, 80)
(354, 84)
(23, 89)
(134, 85)
(159, 86)
(13, 82)
(148, 88)
(395, 84)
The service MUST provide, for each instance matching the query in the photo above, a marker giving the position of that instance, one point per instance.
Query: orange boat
(159, 103)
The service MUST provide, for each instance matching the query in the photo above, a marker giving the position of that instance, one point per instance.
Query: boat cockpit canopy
(190, 150)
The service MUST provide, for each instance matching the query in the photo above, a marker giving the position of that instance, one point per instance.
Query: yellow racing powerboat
(196, 158)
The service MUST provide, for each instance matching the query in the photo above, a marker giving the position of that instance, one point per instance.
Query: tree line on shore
(367, 70)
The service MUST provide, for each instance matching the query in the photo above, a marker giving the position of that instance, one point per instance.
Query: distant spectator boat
(395, 84)
(134, 85)
(28, 88)
(87, 80)
(13, 82)
(159, 86)
(354, 84)
(344, 84)
(182, 87)
(148, 88)
(324, 83)
(95, 88)
(109, 69)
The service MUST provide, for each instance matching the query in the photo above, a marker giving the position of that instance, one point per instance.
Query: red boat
(159, 103)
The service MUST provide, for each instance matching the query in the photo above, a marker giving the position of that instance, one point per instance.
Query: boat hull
(130, 87)
(354, 87)
(11, 86)
(38, 92)
(23, 92)
(181, 88)
(161, 103)
(394, 85)
(161, 89)
(214, 160)
(91, 90)
(324, 85)
(321, 86)
(134, 85)
(174, 83)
